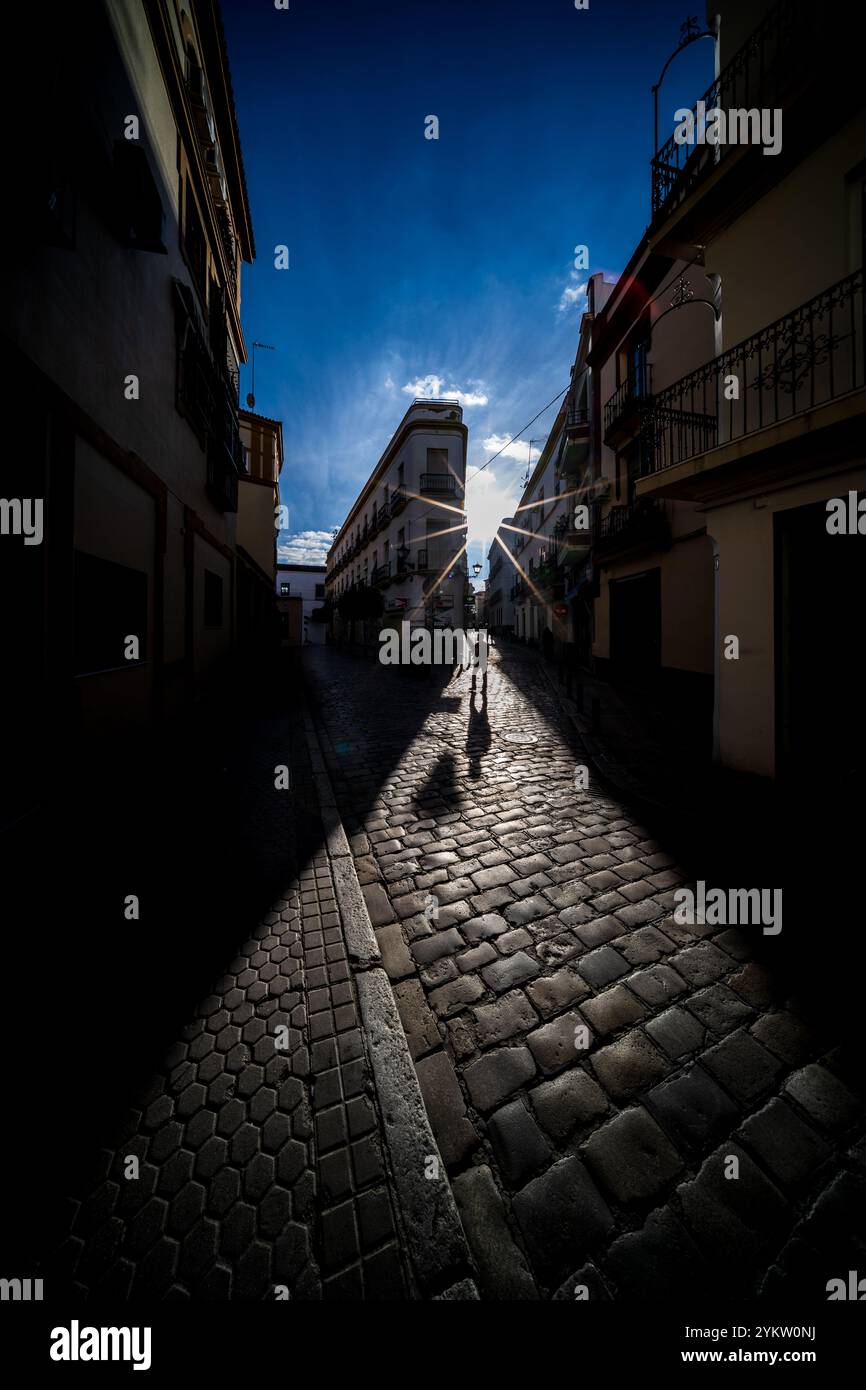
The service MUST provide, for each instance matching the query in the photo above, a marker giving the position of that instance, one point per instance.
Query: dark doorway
(636, 626)
(820, 596)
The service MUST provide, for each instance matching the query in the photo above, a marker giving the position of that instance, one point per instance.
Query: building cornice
(396, 444)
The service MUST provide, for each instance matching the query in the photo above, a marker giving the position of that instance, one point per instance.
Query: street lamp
(476, 570)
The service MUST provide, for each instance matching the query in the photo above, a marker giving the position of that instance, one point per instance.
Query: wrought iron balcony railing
(628, 401)
(381, 572)
(770, 66)
(640, 523)
(576, 420)
(811, 356)
(222, 476)
(398, 499)
(438, 483)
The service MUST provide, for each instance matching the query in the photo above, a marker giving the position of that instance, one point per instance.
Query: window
(110, 605)
(320, 591)
(437, 461)
(638, 368)
(137, 204)
(284, 590)
(194, 246)
(213, 599)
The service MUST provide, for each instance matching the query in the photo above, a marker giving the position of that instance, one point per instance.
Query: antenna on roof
(251, 396)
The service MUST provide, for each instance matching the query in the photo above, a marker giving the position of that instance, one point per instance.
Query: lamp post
(476, 570)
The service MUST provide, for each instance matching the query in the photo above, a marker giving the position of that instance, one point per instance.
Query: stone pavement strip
(589, 1066)
(280, 1149)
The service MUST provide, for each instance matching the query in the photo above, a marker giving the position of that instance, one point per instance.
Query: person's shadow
(478, 735)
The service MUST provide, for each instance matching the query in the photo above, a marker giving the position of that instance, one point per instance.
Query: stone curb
(434, 1236)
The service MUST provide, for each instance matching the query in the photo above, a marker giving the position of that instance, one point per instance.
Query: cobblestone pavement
(604, 1166)
(257, 1141)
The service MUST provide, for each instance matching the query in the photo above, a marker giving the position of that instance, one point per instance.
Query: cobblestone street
(257, 1138)
(605, 1166)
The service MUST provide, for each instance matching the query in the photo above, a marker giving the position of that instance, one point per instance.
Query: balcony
(577, 423)
(566, 535)
(222, 476)
(438, 485)
(381, 573)
(810, 357)
(413, 563)
(399, 499)
(767, 72)
(642, 525)
(626, 410)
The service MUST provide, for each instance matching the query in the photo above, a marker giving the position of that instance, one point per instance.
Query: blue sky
(424, 267)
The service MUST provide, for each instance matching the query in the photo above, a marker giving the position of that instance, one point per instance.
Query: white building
(406, 532)
(304, 587)
(501, 578)
(552, 529)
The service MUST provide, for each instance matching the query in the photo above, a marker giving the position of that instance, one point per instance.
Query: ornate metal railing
(381, 572)
(398, 499)
(642, 522)
(438, 482)
(576, 419)
(627, 399)
(809, 357)
(772, 63)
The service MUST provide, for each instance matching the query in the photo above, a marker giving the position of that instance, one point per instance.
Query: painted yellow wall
(808, 225)
(255, 524)
(744, 532)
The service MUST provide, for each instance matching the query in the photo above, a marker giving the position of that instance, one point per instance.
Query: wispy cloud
(304, 548)
(573, 293)
(433, 386)
(499, 444)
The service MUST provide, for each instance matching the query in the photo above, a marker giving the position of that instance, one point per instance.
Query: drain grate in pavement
(519, 737)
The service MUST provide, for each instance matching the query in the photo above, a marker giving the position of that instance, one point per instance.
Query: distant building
(405, 534)
(301, 595)
(481, 606)
(501, 579)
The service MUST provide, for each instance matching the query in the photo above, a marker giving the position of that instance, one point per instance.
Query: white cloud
(499, 444)
(488, 500)
(304, 548)
(573, 292)
(433, 387)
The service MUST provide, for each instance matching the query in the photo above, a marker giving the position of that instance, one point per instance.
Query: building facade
(400, 553)
(300, 598)
(553, 584)
(122, 344)
(499, 605)
(763, 435)
(258, 528)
